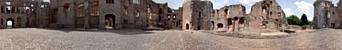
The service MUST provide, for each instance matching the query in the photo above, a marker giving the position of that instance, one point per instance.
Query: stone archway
(213, 25)
(10, 23)
(187, 26)
(110, 21)
(230, 22)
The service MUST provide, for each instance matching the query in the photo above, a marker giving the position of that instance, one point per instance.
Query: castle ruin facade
(196, 15)
(324, 16)
(266, 16)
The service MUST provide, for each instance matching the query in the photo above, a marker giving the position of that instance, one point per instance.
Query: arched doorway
(110, 21)
(10, 23)
(242, 20)
(230, 22)
(187, 27)
(213, 25)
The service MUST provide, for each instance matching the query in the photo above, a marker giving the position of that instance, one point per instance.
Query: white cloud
(306, 8)
(174, 4)
(225, 1)
(249, 2)
(288, 12)
(160, 1)
(334, 1)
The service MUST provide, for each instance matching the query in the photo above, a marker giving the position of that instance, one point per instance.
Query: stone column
(236, 24)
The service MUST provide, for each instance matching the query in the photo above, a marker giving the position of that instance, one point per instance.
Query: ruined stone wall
(147, 14)
(77, 13)
(324, 14)
(114, 14)
(65, 14)
(179, 17)
(236, 18)
(161, 15)
(135, 14)
(23, 13)
(219, 18)
(266, 16)
(229, 18)
(42, 15)
(174, 19)
(339, 16)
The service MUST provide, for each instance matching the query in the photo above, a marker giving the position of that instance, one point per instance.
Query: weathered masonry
(231, 18)
(196, 15)
(267, 16)
(22, 13)
(324, 16)
(327, 15)
(110, 14)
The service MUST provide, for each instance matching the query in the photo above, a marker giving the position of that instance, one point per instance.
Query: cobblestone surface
(43, 39)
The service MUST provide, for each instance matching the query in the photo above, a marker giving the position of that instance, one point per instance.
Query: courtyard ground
(132, 39)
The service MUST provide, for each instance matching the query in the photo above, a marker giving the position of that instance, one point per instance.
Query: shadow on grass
(120, 31)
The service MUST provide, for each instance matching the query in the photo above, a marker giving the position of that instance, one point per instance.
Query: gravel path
(43, 39)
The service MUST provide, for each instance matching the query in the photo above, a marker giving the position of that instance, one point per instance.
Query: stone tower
(196, 15)
(324, 14)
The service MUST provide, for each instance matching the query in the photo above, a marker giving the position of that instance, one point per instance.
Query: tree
(304, 20)
(293, 20)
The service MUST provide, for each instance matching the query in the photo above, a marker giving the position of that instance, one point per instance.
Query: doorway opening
(187, 27)
(10, 23)
(110, 21)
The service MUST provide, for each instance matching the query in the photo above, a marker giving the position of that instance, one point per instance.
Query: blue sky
(290, 7)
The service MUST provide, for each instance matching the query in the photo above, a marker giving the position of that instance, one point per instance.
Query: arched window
(264, 9)
(8, 10)
(1, 22)
(242, 21)
(220, 25)
(2, 9)
(13, 9)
